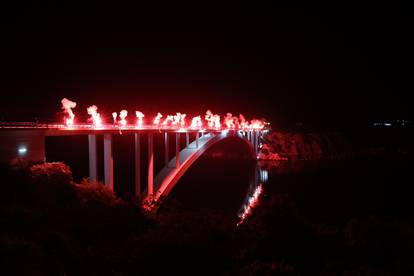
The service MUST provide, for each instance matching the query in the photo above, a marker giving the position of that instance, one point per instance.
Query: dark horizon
(325, 69)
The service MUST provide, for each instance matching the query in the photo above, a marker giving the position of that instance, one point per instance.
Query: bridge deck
(87, 129)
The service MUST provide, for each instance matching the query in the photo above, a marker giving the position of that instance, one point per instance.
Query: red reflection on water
(253, 201)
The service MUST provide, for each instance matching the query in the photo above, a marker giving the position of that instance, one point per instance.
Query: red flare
(243, 124)
(140, 117)
(157, 119)
(168, 120)
(95, 116)
(114, 115)
(229, 121)
(256, 124)
(122, 116)
(213, 120)
(196, 122)
(67, 105)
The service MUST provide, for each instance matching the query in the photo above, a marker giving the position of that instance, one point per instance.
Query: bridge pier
(197, 140)
(166, 149)
(93, 158)
(137, 166)
(256, 142)
(108, 162)
(253, 134)
(177, 150)
(187, 139)
(150, 188)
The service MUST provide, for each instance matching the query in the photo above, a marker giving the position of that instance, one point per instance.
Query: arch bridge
(28, 141)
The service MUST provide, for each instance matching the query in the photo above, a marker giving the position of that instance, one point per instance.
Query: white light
(264, 175)
(22, 150)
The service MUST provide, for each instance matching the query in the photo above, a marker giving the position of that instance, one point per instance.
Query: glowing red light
(67, 105)
(122, 115)
(213, 121)
(140, 117)
(251, 204)
(196, 123)
(95, 116)
(157, 119)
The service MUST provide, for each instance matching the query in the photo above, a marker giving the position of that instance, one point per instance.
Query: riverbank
(316, 145)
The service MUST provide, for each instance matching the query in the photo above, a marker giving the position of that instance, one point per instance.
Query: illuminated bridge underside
(166, 179)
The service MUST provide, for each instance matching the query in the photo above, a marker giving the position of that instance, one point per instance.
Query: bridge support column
(108, 162)
(166, 149)
(197, 140)
(177, 150)
(187, 139)
(137, 166)
(252, 140)
(150, 164)
(256, 142)
(93, 158)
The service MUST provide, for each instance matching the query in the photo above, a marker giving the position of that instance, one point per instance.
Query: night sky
(324, 68)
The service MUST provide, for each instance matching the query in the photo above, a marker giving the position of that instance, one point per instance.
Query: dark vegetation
(305, 144)
(53, 226)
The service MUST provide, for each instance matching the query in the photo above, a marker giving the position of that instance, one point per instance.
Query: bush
(93, 192)
(51, 173)
(52, 184)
